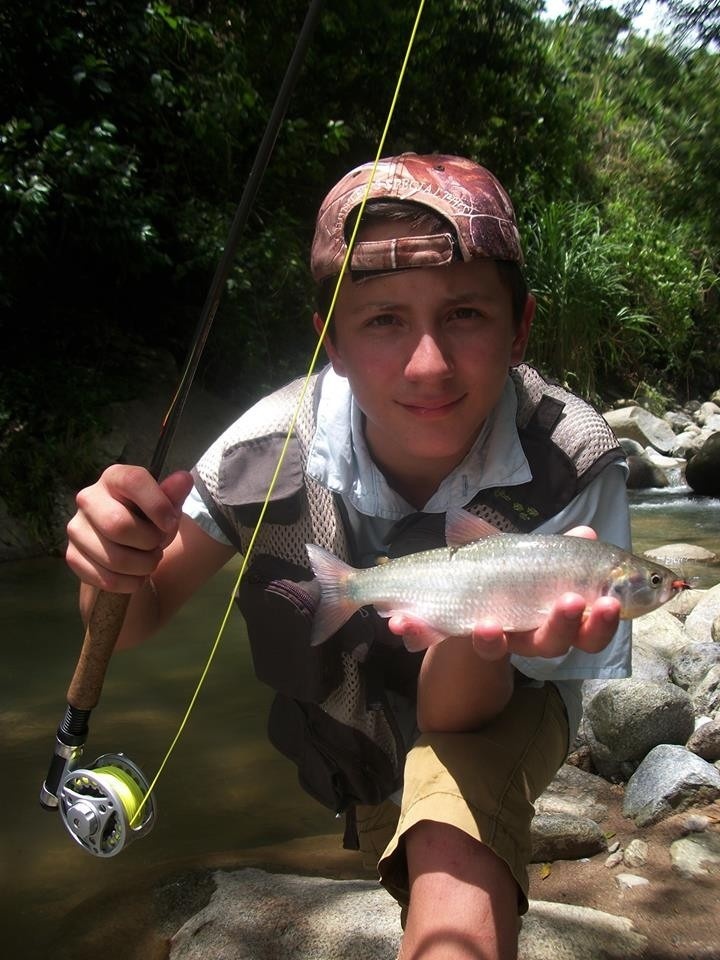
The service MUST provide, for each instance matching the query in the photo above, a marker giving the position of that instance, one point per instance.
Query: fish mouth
(679, 585)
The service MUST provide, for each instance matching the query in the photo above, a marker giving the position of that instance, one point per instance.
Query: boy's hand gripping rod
(100, 803)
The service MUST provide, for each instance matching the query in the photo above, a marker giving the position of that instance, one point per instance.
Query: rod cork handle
(103, 630)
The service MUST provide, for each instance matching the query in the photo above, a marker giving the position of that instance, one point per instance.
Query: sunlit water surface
(224, 789)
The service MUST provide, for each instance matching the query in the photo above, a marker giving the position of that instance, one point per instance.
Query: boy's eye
(382, 320)
(464, 313)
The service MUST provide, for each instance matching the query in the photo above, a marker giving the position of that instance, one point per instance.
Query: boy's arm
(129, 536)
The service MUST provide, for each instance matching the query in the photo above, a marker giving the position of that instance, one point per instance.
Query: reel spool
(99, 804)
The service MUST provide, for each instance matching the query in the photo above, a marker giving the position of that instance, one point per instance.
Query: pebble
(630, 880)
(614, 860)
(696, 823)
(636, 853)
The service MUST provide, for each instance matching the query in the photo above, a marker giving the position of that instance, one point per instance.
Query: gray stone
(631, 448)
(683, 603)
(660, 630)
(558, 931)
(703, 470)
(698, 625)
(670, 553)
(696, 823)
(690, 855)
(687, 442)
(691, 664)
(648, 663)
(254, 915)
(706, 694)
(678, 420)
(630, 717)
(644, 475)
(557, 836)
(574, 792)
(614, 860)
(642, 426)
(630, 880)
(670, 779)
(636, 853)
(707, 411)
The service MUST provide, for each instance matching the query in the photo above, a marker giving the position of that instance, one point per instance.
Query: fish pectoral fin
(463, 527)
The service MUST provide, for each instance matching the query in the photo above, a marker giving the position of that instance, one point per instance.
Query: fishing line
(291, 427)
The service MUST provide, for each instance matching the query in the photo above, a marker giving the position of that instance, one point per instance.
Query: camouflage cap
(466, 194)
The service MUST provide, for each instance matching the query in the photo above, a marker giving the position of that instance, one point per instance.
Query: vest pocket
(276, 599)
(337, 765)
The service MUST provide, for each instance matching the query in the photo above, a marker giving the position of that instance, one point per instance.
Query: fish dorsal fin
(462, 527)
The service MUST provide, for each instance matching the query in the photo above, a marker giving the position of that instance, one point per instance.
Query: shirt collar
(340, 460)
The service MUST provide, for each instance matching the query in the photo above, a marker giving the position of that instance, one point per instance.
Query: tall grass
(585, 328)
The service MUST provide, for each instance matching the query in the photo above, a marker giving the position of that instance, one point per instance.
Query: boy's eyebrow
(454, 298)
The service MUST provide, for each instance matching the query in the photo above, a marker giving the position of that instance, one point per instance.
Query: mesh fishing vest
(331, 713)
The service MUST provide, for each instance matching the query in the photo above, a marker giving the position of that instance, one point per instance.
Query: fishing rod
(100, 803)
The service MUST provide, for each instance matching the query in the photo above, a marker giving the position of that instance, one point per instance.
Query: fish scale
(513, 578)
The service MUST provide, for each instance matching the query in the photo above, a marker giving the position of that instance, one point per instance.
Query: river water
(224, 788)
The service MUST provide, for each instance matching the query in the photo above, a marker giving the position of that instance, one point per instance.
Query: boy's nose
(428, 359)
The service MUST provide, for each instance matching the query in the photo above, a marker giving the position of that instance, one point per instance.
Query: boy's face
(426, 352)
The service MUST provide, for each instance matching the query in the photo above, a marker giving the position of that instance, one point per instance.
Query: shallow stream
(224, 789)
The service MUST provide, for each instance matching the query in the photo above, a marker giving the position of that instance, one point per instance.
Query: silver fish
(515, 578)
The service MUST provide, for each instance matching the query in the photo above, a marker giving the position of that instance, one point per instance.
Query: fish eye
(656, 579)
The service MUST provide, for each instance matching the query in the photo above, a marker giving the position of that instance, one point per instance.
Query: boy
(426, 406)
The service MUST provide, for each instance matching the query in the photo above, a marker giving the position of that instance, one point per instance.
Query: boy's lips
(438, 407)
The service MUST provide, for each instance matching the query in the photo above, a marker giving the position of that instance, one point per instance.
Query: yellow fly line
(134, 806)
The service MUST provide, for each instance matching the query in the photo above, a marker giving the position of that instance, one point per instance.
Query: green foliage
(127, 132)
(584, 329)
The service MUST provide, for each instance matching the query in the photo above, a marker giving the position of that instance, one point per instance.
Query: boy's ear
(522, 333)
(330, 348)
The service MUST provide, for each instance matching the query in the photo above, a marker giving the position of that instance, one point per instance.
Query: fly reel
(106, 806)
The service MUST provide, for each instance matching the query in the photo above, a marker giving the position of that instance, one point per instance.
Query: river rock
(557, 836)
(679, 421)
(644, 475)
(644, 427)
(636, 853)
(702, 472)
(574, 792)
(661, 631)
(670, 779)
(705, 741)
(627, 718)
(708, 410)
(688, 442)
(706, 694)
(692, 855)
(648, 663)
(698, 625)
(692, 663)
(255, 915)
(683, 603)
(671, 553)
(560, 931)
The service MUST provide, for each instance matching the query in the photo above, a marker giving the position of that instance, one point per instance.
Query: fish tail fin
(335, 606)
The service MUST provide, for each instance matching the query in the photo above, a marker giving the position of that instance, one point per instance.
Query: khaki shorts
(484, 783)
